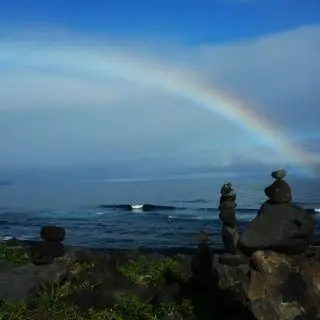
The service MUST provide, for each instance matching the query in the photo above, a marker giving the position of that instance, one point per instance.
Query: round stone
(278, 174)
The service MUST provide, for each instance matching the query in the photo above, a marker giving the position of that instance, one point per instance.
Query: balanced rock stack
(44, 252)
(227, 215)
(202, 259)
(280, 225)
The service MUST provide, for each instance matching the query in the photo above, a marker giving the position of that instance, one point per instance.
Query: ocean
(86, 209)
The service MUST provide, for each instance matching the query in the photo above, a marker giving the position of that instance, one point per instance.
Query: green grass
(50, 303)
(144, 270)
(13, 255)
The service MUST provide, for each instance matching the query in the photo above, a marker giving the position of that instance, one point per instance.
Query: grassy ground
(53, 300)
(15, 256)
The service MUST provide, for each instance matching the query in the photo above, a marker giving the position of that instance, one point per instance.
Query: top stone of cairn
(278, 174)
(226, 188)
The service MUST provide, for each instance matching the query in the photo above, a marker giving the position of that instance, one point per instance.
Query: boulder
(53, 233)
(44, 252)
(23, 282)
(284, 287)
(284, 228)
(279, 191)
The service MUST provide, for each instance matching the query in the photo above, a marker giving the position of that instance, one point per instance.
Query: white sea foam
(137, 206)
(6, 238)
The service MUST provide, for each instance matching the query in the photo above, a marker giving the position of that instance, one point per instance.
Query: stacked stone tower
(51, 246)
(280, 225)
(229, 232)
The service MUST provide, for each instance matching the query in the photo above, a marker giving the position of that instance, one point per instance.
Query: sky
(195, 82)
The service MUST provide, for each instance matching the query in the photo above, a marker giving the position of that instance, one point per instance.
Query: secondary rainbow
(178, 82)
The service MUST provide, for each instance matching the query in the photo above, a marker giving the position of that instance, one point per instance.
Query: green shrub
(143, 270)
(13, 255)
(50, 303)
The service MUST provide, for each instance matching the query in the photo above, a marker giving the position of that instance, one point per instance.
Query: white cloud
(106, 90)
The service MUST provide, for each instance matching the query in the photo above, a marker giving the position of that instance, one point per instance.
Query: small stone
(53, 233)
(230, 197)
(227, 205)
(226, 188)
(278, 174)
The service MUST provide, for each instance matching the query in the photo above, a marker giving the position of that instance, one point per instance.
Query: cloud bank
(60, 103)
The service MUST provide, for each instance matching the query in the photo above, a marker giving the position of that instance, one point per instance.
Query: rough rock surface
(279, 191)
(285, 228)
(229, 230)
(278, 174)
(44, 252)
(284, 287)
(52, 233)
(23, 282)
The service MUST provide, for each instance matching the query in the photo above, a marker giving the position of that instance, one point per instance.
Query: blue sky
(78, 87)
(192, 21)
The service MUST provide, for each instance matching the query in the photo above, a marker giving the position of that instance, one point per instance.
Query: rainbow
(172, 80)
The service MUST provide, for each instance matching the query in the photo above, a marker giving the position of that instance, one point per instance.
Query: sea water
(87, 209)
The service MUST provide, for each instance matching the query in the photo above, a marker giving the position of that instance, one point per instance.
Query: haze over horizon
(91, 84)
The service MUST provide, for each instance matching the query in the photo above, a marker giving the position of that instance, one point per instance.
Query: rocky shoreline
(270, 271)
(93, 284)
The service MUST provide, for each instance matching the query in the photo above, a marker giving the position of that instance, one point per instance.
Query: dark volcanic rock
(228, 217)
(284, 286)
(226, 188)
(229, 232)
(53, 233)
(45, 252)
(230, 237)
(278, 174)
(232, 259)
(202, 260)
(24, 281)
(285, 228)
(227, 205)
(228, 197)
(279, 191)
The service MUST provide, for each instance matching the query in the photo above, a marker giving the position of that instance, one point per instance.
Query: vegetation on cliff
(60, 301)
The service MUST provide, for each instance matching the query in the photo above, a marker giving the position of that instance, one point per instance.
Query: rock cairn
(51, 247)
(229, 232)
(280, 225)
(202, 259)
